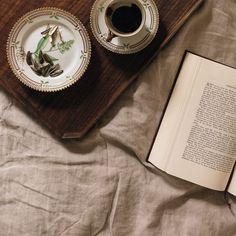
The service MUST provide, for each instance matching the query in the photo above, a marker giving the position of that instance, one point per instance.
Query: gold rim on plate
(72, 26)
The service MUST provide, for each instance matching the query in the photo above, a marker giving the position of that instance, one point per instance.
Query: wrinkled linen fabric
(103, 185)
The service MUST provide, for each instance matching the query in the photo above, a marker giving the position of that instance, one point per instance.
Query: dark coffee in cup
(126, 19)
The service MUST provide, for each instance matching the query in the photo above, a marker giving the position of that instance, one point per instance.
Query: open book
(196, 139)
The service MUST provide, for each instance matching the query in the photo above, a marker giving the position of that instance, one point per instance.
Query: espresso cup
(124, 18)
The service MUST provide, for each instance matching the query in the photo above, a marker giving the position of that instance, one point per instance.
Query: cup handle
(110, 36)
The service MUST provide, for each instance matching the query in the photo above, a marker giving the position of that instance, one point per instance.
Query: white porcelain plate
(48, 49)
(126, 45)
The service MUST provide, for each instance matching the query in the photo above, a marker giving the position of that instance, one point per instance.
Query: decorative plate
(124, 45)
(48, 49)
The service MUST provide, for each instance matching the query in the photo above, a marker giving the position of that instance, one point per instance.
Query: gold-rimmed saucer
(124, 45)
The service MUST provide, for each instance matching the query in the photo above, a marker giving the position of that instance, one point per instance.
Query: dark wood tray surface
(72, 112)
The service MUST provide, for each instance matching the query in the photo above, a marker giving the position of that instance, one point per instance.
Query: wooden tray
(72, 112)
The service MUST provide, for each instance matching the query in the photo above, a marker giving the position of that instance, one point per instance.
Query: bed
(102, 185)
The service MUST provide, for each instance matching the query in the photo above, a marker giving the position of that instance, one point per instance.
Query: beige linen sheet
(102, 185)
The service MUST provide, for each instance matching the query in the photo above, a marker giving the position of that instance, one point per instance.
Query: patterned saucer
(124, 45)
(48, 49)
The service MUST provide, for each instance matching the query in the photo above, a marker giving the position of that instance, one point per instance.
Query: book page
(232, 185)
(197, 138)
